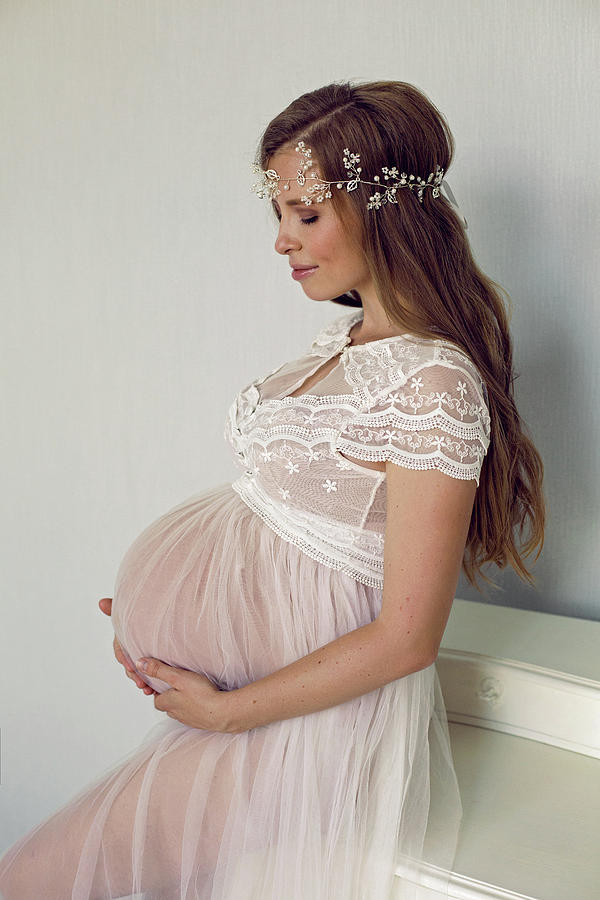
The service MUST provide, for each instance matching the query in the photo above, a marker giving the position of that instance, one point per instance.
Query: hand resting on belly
(106, 606)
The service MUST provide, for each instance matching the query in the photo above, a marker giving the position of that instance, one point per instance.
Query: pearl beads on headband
(269, 184)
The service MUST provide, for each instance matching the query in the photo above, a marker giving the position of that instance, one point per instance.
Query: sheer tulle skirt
(319, 807)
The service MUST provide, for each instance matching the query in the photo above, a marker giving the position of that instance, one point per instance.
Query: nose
(286, 240)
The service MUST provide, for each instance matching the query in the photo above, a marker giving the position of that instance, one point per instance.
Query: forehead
(287, 163)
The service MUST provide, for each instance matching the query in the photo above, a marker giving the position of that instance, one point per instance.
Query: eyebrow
(292, 203)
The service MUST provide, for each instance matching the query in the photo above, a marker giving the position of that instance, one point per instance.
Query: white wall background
(140, 291)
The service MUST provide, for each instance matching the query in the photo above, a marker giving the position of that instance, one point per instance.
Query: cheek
(329, 243)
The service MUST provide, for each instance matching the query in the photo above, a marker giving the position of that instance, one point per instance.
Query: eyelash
(305, 221)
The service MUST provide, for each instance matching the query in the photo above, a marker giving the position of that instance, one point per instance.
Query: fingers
(131, 673)
(106, 605)
(130, 669)
(121, 656)
(142, 684)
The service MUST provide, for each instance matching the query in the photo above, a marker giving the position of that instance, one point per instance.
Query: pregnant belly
(161, 596)
(197, 589)
(212, 588)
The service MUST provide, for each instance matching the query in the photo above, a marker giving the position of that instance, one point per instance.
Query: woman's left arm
(427, 523)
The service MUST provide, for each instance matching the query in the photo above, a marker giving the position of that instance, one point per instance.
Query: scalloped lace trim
(436, 460)
(368, 571)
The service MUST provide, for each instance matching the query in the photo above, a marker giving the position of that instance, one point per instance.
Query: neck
(374, 324)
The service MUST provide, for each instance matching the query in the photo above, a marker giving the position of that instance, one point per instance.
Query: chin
(321, 297)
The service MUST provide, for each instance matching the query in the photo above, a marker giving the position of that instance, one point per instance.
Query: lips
(301, 272)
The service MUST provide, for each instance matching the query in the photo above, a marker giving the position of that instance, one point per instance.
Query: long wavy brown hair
(427, 282)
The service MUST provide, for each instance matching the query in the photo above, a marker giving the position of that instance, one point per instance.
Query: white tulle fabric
(342, 804)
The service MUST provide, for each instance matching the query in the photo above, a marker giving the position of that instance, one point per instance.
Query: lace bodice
(419, 403)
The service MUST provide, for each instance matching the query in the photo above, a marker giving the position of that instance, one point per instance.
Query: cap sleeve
(435, 417)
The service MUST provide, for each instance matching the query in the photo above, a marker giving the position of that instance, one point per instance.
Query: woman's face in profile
(313, 236)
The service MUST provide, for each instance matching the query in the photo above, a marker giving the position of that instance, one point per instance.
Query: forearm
(354, 664)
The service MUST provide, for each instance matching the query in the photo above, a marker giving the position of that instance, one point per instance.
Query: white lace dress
(241, 580)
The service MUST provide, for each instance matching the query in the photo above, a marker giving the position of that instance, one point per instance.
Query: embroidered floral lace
(419, 403)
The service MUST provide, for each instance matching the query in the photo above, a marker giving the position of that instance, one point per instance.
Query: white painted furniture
(522, 692)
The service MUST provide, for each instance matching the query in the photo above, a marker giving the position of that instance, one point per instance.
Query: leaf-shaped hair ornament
(268, 186)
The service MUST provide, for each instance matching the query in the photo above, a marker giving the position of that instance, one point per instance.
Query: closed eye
(308, 221)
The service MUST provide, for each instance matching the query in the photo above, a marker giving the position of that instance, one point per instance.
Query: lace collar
(335, 337)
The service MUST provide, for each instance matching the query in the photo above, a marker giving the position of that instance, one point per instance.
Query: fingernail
(142, 664)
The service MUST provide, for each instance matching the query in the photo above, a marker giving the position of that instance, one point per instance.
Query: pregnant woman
(291, 620)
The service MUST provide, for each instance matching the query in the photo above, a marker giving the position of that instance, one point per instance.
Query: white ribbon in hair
(445, 188)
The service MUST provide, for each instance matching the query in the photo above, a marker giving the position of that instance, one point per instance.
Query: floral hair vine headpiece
(269, 185)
